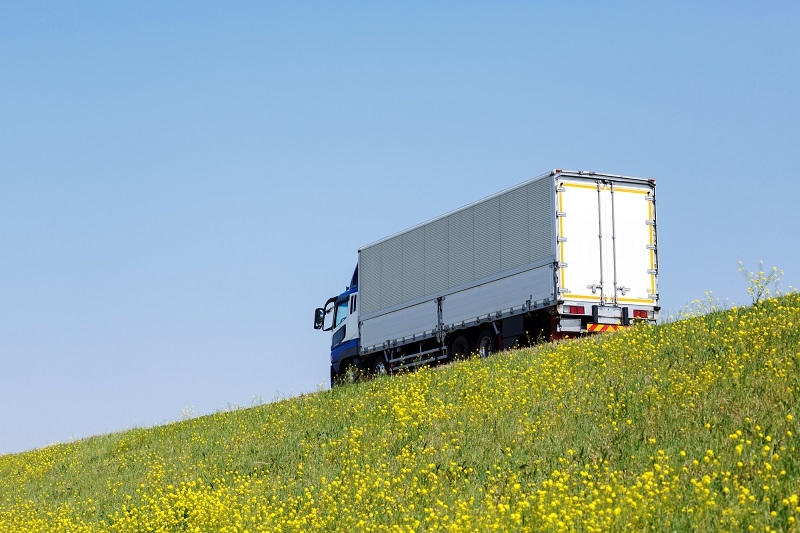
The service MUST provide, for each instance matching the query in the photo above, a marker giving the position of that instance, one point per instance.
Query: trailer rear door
(606, 241)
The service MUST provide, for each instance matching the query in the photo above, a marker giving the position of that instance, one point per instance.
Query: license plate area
(571, 325)
(609, 314)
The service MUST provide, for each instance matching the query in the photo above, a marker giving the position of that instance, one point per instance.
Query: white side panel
(579, 249)
(420, 319)
(634, 239)
(606, 247)
(500, 295)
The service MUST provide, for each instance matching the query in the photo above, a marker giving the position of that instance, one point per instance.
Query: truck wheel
(378, 367)
(460, 348)
(486, 343)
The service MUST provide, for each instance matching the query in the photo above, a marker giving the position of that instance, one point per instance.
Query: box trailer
(564, 254)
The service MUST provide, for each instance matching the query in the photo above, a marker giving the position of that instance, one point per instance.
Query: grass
(689, 425)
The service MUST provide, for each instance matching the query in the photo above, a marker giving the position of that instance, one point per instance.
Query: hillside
(687, 425)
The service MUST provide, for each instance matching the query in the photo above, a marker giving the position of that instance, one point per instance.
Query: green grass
(689, 425)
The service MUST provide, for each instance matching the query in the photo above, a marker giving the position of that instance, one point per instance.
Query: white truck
(564, 254)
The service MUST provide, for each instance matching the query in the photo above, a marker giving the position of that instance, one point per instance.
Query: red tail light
(575, 309)
(639, 313)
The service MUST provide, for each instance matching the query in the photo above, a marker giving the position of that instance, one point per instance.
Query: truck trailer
(564, 254)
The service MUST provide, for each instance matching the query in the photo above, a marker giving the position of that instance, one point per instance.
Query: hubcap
(485, 347)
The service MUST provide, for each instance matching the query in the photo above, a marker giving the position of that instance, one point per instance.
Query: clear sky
(182, 183)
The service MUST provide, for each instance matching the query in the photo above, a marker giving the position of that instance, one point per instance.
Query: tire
(487, 344)
(378, 366)
(460, 348)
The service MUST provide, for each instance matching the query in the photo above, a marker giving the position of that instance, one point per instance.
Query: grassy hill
(691, 425)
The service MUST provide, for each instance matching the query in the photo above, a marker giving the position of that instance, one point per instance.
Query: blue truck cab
(339, 315)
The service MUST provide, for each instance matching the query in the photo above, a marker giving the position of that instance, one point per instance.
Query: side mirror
(323, 313)
(319, 318)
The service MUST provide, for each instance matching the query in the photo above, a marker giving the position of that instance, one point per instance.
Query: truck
(564, 254)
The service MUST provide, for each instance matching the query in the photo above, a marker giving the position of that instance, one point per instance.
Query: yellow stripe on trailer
(601, 328)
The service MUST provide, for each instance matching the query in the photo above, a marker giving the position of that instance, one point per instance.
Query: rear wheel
(378, 367)
(460, 348)
(486, 343)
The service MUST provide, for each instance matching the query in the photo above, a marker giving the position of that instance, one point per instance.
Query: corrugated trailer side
(489, 260)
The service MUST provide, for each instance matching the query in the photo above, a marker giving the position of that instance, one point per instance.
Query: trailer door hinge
(561, 239)
(650, 222)
(561, 214)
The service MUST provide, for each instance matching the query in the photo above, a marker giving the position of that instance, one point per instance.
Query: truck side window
(355, 301)
(341, 312)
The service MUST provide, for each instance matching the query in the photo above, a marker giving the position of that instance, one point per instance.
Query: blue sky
(182, 184)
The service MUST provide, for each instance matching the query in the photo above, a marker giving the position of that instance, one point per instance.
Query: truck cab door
(345, 327)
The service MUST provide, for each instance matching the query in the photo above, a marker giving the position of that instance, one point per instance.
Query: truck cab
(339, 315)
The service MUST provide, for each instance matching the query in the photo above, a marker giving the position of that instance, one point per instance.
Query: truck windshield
(341, 311)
